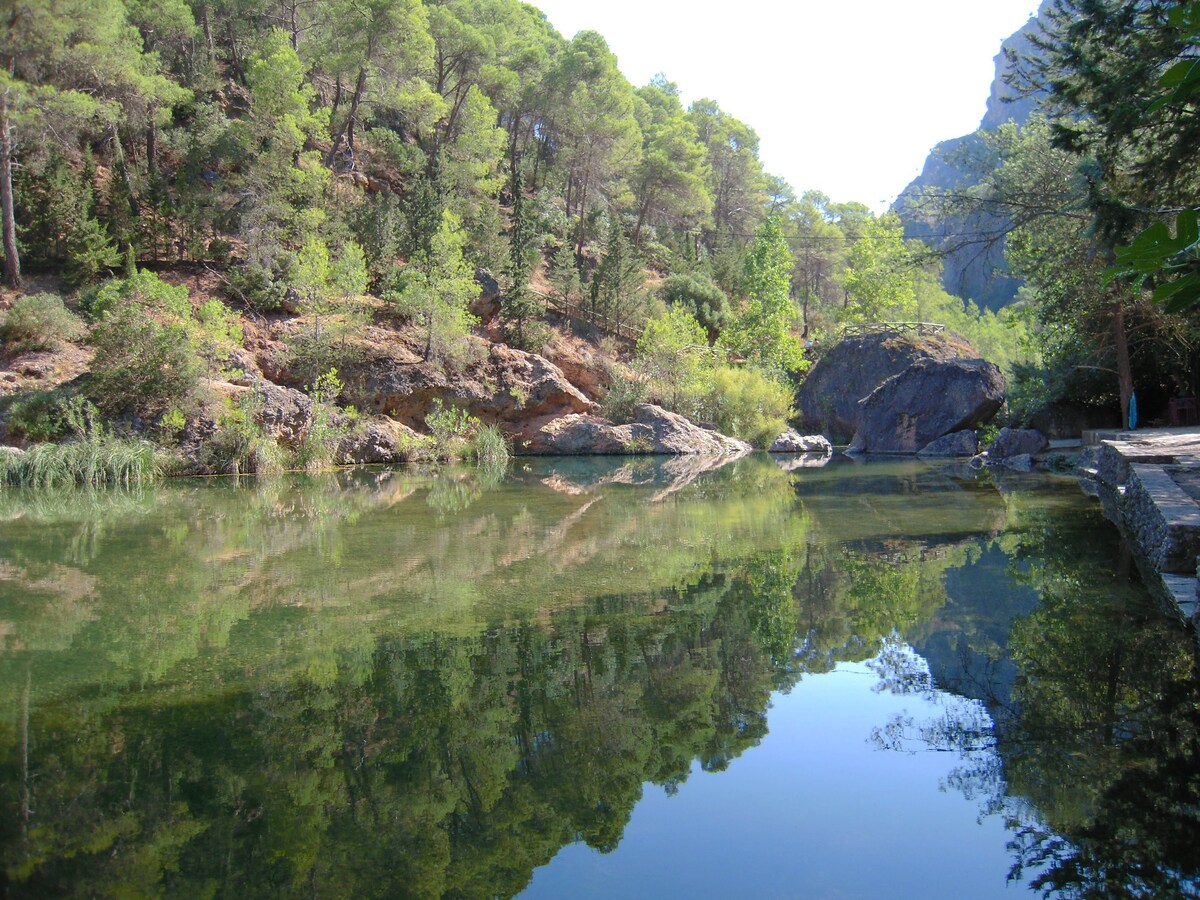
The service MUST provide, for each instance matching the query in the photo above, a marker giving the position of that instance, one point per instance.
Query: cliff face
(974, 264)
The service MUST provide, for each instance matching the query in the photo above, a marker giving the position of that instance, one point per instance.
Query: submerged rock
(653, 430)
(792, 441)
(929, 399)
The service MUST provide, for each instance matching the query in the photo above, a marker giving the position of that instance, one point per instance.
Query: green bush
(747, 404)
(329, 425)
(625, 393)
(488, 447)
(50, 415)
(700, 296)
(40, 322)
(141, 365)
(238, 445)
(456, 434)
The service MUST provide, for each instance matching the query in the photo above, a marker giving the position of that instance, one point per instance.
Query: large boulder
(653, 430)
(792, 441)
(1012, 442)
(929, 399)
(827, 400)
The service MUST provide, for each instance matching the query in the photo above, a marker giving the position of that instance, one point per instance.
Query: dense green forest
(356, 163)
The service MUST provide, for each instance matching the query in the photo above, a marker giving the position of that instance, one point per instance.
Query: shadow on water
(404, 683)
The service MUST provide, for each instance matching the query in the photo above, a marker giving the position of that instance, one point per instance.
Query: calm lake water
(591, 678)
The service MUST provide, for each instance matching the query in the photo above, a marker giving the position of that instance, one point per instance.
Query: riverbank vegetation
(188, 170)
(198, 194)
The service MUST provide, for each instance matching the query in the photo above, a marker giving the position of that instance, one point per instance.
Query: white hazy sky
(847, 97)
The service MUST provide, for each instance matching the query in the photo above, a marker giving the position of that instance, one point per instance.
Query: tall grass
(93, 461)
(488, 447)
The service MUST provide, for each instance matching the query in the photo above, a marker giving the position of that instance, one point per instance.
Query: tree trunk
(12, 262)
(152, 147)
(359, 87)
(208, 36)
(1124, 369)
(123, 171)
(641, 220)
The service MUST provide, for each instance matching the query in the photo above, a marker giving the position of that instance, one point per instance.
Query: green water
(591, 678)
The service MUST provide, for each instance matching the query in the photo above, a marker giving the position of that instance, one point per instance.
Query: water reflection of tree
(368, 756)
(1092, 751)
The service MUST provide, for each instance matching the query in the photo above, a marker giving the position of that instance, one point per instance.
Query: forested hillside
(191, 187)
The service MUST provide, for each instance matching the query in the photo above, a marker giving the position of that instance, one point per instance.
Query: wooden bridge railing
(919, 328)
(563, 307)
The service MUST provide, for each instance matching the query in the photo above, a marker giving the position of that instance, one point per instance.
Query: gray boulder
(653, 430)
(792, 441)
(955, 444)
(1021, 462)
(929, 399)
(380, 441)
(1017, 442)
(827, 400)
(286, 414)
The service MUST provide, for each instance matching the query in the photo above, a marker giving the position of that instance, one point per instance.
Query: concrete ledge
(1182, 589)
(1164, 521)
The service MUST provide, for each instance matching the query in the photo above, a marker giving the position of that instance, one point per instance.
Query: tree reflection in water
(426, 685)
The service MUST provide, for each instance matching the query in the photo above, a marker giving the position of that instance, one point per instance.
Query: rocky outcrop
(792, 441)
(953, 445)
(285, 414)
(653, 430)
(381, 441)
(929, 399)
(828, 400)
(518, 391)
(1012, 442)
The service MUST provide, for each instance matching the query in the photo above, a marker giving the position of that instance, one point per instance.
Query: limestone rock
(929, 399)
(792, 441)
(380, 441)
(827, 401)
(286, 414)
(653, 430)
(955, 444)
(518, 391)
(1016, 442)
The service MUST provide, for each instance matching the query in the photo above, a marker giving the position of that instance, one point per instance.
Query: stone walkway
(1149, 483)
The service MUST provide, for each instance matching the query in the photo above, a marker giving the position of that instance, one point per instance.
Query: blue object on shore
(1133, 412)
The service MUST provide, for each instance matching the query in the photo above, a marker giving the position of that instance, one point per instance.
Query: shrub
(625, 393)
(328, 427)
(50, 415)
(40, 322)
(488, 447)
(239, 446)
(747, 404)
(456, 433)
(700, 296)
(141, 365)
